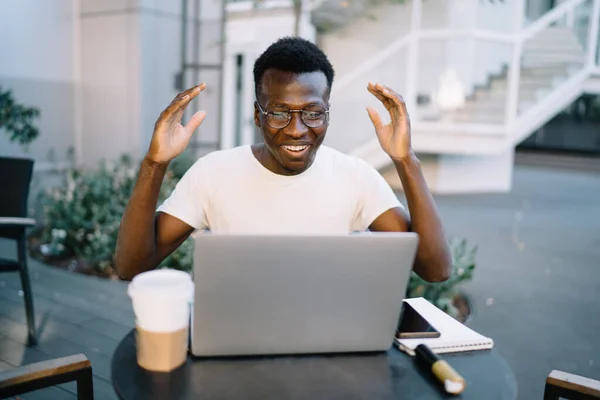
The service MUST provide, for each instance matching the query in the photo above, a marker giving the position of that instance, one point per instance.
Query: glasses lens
(278, 119)
(314, 117)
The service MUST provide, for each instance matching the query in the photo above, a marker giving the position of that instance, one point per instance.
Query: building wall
(37, 65)
(110, 62)
(101, 71)
(131, 54)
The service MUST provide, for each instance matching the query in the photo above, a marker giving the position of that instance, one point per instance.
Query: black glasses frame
(266, 114)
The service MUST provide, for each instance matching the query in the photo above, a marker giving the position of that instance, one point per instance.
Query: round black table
(390, 375)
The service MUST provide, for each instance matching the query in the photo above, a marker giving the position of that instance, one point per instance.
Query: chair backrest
(15, 179)
(563, 385)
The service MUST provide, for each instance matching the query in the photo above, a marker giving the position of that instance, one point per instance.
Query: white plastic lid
(169, 283)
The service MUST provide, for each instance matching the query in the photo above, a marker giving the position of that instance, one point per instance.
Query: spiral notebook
(454, 336)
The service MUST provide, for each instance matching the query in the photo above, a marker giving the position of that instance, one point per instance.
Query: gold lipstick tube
(451, 380)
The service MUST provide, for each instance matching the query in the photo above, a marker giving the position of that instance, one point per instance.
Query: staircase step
(555, 32)
(531, 83)
(569, 39)
(474, 118)
(554, 66)
(552, 45)
(525, 95)
(474, 112)
(566, 52)
(491, 106)
(532, 59)
(478, 107)
(547, 72)
(530, 63)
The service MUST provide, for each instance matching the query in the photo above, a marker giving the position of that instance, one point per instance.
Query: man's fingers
(393, 98)
(181, 101)
(375, 119)
(195, 122)
(191, 92)
(377, 93)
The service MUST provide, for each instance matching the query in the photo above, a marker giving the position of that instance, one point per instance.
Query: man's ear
(256, 115)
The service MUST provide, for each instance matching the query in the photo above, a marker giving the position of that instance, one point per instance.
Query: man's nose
(296, 127)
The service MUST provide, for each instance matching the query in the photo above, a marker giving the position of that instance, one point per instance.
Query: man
(288, 184)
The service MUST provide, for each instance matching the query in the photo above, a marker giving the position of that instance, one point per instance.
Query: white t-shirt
(230, 191)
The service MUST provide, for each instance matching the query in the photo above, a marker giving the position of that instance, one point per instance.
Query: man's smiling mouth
(295, 149)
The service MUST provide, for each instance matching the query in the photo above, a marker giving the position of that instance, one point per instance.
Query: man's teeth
(295, 148)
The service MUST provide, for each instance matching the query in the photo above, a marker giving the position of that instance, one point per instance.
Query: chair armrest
(16, 221)
(561, 383)
(48, 373)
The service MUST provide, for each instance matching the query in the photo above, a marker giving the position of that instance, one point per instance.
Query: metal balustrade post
(592, 48)
(514, 72)
(410, 95)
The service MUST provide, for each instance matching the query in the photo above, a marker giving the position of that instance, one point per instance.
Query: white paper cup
(161, 303)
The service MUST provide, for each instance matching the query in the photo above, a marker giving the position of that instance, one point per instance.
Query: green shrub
(442, 293)
(82, 216)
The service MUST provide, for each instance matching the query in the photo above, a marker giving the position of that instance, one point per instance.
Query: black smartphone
(412, 325)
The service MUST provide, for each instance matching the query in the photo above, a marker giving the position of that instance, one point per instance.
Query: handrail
(372, 62)
(550, 17)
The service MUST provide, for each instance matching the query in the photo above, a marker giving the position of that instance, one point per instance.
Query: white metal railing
(564, 10)
(593, 43)
(410, 42)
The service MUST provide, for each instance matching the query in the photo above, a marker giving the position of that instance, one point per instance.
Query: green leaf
(17, 120)
(442, 293)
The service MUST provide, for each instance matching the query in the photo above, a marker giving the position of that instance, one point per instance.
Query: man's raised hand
(395, 136)
(170, 138)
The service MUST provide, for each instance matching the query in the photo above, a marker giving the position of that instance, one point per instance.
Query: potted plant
(446, 295)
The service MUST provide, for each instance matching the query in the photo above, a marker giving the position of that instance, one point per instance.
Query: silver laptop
(259, 295)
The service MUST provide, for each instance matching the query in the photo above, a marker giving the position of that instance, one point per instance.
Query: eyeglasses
(313, 116)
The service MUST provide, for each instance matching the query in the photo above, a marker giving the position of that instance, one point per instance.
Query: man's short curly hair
(292, 54)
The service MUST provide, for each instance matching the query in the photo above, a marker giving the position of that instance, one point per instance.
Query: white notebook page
(454, 336)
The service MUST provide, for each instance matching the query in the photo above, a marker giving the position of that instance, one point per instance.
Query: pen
(453, 383)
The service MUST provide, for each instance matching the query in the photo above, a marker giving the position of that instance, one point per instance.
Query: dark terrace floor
(74, 314)
(536, 287)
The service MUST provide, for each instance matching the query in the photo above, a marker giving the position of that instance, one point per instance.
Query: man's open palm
(395, 136)
(170, 137)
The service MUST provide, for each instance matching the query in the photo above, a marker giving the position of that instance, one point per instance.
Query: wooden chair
(15, 179)
(562, 385)
(49, 373)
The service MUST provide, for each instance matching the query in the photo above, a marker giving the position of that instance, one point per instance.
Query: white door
(238, 99)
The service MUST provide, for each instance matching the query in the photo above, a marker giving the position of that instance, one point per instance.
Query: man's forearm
(136, 241)
(433, 261)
